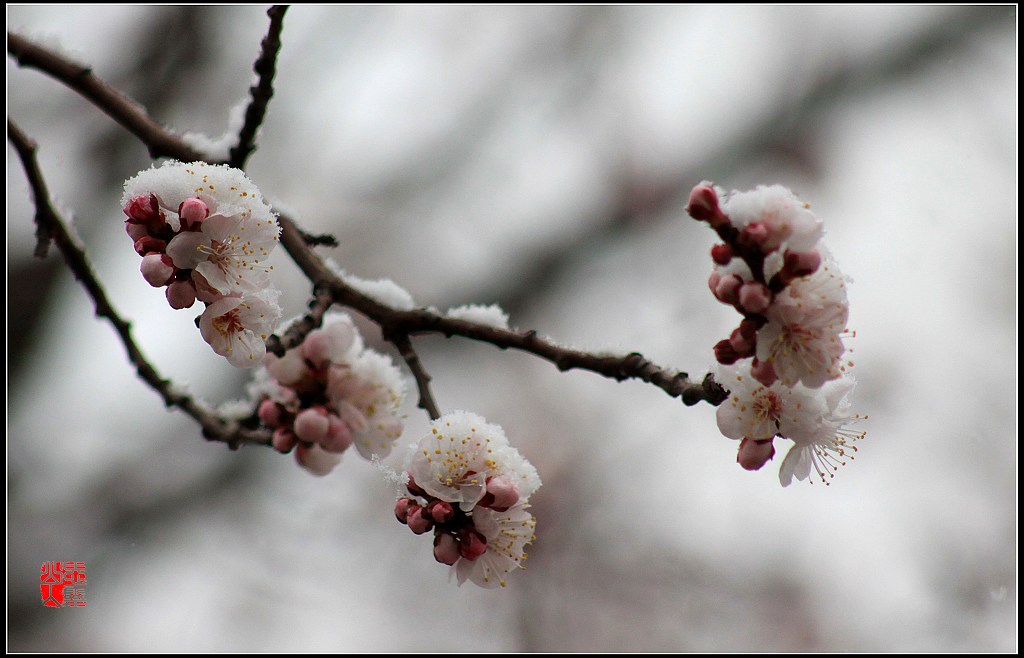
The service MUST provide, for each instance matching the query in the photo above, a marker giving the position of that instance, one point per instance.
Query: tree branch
(422, 321)
(262, 91)
(412, 359)
(396, 322)
(159, 140)
(51, 224)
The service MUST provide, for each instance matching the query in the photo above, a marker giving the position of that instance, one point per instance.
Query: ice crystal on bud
(473, 488)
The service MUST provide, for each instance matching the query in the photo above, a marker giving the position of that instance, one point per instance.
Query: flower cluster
(772, 268)
(468, 485)
(816, 420)
(328, 394)
(204, 233)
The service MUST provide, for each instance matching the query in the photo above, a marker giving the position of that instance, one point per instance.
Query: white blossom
(454, 461)
(831, 445)
(758, 412)
(788, 220)
(221, 226)
(803, 337)
(237, 327)
(508, 534)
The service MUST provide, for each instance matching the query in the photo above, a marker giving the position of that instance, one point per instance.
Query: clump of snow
(219, 148)
(491, 315)
(384, 291)
(236, 409)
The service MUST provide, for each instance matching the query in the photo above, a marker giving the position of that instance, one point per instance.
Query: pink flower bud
(181, 294)
(725, 353)
(446, 548)
(502, 493)
(284, 440)
(135, 231)
(316, 461)
(316, 348)
(742, 345)
(418, 521)
(763, 372)
(402, 508)
(713, 280)
(157, 269)
(703, 206)
(755, 297)
(271, 413)
(755, 235)
(311, 425)
(440, 511)
(728, 290)
(414, 488)
(800, 263)
(147, 244)
(143, 210)
(754, 454)
(471, 544)
(339, 436)
(204, 291)
(721, 254)
(192, 212)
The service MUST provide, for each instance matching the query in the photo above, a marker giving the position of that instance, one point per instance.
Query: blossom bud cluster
(470, 487)
(204, 233)
(772, 268)
(328, 394)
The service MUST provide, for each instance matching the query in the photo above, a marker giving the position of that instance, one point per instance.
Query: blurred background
(539, 158)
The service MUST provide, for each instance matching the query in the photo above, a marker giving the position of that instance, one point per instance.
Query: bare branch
(412, 359)
(262, 91)
(53, 225)
(397, 322)
(159, 140)
(422, 321)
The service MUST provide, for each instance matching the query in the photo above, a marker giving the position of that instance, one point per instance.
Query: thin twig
(160, 141)
(262, 91)
(422, 321)
(52, 224)
(396, 322)
(297, 331)
(419, 373)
